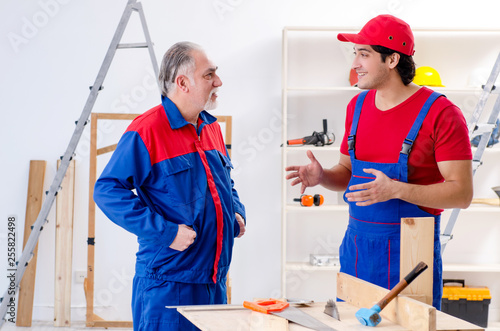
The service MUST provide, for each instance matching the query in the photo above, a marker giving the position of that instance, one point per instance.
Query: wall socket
(80, 276)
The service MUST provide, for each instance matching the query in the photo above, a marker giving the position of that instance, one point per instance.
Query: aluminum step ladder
(27, 254)
(485, 131)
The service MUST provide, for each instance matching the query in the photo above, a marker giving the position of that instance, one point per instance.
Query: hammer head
(369, 317)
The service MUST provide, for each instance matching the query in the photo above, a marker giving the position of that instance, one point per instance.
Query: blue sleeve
(127, 169)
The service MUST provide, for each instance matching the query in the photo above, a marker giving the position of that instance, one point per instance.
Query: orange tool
(317, 138)
(309, 200)
(283, 309)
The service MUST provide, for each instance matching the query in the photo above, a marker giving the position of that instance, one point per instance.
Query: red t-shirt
(443, 136)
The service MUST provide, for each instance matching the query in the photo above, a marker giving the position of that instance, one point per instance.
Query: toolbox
(468, 303)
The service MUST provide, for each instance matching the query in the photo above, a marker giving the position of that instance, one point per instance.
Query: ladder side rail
(68, 155)
(478, 155)
(488, 87)
(154, 61)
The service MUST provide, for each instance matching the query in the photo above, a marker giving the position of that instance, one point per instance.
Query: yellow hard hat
(427, 76)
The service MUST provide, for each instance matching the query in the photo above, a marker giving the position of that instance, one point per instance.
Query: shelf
(478, 208)
(314, 148)
(323, 89)
(471, 267)
(304, 266)
(433, 30)
(355, 89)
(323, 208)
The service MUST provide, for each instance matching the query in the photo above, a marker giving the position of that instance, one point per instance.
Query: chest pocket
(182, 181)
(225, 172)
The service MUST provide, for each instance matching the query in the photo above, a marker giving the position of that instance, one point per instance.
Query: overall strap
(351, 139)
(410, 138)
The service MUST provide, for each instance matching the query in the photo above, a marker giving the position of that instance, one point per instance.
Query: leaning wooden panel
(33, 206)
(228, 122)
(406, 312)
(92, 319)
(89, 281)
(417, 244)
(64, 247)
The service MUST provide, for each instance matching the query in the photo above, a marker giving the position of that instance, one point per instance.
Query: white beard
(211, 105)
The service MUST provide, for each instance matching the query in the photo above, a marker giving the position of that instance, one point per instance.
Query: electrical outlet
(80, 276)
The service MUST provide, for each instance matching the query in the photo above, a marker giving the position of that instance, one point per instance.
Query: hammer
(371, 317)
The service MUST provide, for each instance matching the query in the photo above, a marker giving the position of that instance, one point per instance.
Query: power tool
(317, 138)
(309, 200)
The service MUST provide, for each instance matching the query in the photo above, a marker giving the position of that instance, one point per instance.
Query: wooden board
(33, 206)
(64, 247)
(417, 244)
(404, 311)
(233, 318)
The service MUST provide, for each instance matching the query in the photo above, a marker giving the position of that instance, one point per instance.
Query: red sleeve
(451, 135)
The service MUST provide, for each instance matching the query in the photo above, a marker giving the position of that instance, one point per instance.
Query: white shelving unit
(315, 82)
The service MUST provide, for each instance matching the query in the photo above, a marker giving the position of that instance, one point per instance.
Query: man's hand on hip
(185, 237)
(241, 222)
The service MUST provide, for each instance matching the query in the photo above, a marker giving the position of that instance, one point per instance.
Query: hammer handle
(402, 285)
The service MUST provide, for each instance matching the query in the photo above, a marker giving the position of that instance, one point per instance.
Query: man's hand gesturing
(308, 175)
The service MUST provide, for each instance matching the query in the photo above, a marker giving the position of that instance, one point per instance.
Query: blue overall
(370, 249)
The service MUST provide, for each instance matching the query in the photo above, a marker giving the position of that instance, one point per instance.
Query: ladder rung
(133, 45)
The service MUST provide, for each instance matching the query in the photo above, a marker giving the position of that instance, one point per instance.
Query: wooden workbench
(237, 318)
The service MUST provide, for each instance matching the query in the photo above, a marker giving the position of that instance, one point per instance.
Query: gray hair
(178, 60)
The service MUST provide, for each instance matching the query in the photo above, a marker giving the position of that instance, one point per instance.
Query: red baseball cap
(384, 30)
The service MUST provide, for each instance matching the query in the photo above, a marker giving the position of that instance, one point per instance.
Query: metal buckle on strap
(406, 148)
(350, 142)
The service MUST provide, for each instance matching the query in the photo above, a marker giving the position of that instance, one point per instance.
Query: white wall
(51, 51)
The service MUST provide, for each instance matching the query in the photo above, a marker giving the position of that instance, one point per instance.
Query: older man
(185, 210)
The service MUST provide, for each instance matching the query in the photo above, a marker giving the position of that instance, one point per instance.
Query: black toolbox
(468, 303)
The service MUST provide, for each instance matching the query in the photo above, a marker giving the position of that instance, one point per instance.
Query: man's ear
(182, 83)
(393, 60)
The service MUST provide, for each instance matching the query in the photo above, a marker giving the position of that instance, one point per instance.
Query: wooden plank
(404, 311)
(64, 247)
(228, 121)
(232, 317)
(33, 206)
(262, 322)
(417, 244)
(106, 149)
(112, 324)
(115, 116)
(224, 317)
(89, 281)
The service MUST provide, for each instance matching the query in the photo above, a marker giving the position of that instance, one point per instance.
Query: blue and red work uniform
(371, 247)
(181, 175)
